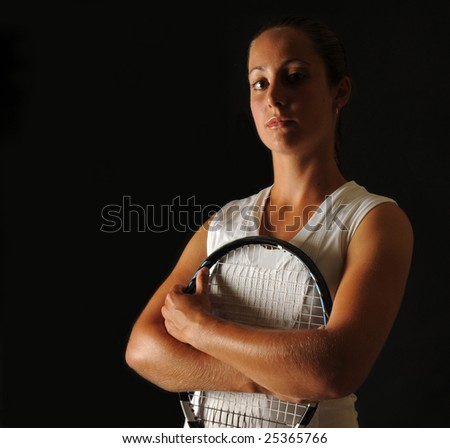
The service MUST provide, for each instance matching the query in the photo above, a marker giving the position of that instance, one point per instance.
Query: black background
(105, 100)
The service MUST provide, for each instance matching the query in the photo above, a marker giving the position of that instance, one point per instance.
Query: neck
(300, 181)
(298, 189)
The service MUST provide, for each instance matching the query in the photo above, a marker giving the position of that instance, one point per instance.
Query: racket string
(266, 297)
(243, 410)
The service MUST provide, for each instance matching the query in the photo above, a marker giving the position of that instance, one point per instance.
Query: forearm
(175, 366)
(300, 364)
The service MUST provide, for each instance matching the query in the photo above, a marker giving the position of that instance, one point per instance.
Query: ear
(343, 91)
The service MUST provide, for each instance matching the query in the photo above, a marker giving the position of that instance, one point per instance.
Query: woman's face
(292, 103)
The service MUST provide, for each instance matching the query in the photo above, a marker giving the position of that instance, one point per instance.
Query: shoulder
(379, 229)
(352, 203)
(376, 211)
(353, 194)
(385, 228)
(388, 218)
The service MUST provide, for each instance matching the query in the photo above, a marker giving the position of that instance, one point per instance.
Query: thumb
(201, 280)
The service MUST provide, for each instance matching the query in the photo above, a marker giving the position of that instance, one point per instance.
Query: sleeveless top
(325, 238)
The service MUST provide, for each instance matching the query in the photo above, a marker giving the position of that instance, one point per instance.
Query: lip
(278, 122)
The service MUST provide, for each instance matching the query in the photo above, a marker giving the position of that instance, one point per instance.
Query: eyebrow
(286, 62)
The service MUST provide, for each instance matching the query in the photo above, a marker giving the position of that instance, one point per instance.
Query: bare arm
(167, 362)
(316, 364)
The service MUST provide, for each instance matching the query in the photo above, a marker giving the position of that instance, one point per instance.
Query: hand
(183, 312)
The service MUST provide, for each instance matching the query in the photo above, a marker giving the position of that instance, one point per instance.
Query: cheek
(257, 109)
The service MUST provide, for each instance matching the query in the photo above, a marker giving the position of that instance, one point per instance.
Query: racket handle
(190, 288)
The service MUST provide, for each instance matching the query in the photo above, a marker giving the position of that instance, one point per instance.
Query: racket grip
(190, 287)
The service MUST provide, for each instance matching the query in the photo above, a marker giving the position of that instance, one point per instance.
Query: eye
(259, 85)
(296, 77)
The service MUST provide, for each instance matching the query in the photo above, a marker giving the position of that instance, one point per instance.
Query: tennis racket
(262, 282)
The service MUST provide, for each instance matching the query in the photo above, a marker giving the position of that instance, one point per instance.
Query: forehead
(282, 44)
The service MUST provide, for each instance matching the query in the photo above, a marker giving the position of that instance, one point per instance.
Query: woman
(298, 87)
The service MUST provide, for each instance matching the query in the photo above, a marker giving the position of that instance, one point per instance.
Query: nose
(276, 95)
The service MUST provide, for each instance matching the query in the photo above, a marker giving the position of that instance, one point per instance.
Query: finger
(164, 312)
(201, 281)
(171, 298)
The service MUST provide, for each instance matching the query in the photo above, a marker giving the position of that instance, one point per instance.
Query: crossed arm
(178, 345)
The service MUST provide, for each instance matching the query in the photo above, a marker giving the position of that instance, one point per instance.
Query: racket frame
(211, 260)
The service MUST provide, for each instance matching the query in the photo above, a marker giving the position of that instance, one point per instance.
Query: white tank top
(325, 238)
